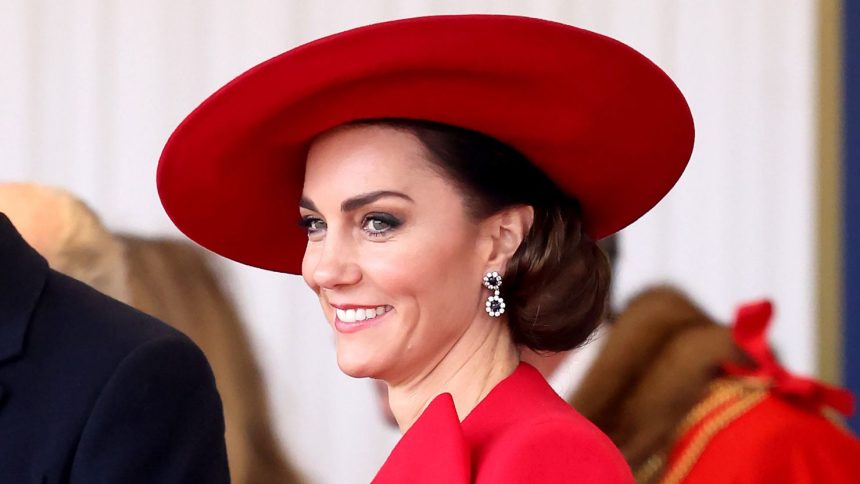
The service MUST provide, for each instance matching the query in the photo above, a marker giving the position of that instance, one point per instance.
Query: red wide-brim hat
(601, 120)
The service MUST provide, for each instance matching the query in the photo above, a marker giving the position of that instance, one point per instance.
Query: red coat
(521, 432)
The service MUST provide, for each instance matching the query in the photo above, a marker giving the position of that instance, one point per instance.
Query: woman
(451, 175)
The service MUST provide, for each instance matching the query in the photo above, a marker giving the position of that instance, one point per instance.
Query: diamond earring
(495, 304)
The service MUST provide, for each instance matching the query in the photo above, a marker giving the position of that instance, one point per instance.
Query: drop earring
(495, 304)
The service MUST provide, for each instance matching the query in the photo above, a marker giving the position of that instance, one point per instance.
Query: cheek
(431, 277)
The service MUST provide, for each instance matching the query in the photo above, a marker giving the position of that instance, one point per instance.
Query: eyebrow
(357, 201)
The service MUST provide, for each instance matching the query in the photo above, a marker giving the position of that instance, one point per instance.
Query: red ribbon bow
(749, 332)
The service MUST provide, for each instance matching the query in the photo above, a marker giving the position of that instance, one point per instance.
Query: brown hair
(556, 284)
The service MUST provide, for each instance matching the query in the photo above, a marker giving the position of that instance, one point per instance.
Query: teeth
(363, 314)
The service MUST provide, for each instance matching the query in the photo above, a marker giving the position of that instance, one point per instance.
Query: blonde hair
(68, 234)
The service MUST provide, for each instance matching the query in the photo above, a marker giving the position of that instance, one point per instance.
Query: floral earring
(495, 304)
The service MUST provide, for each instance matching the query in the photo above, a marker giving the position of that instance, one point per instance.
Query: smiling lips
(353, 315)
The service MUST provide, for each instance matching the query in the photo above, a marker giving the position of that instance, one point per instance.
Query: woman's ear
(506, 230)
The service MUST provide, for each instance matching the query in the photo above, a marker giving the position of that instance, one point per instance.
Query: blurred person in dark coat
(93, 391)
(172, 281)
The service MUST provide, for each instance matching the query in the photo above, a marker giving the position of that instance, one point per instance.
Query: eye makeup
(375, 224)
(378, 224)
(314, 226)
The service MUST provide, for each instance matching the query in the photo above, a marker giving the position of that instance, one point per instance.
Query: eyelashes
(375, 224)
(379, 224)
(312, 224)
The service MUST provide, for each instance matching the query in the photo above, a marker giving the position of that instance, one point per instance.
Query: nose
(331, 264)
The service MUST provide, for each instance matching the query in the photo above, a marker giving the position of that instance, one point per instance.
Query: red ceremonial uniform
(773, 441)
(520, 432)
(762, 424)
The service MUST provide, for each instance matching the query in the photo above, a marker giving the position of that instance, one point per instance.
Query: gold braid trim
(752, 393)
(648, 471)
(726, 400)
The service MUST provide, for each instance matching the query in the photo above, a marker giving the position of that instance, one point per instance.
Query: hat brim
(601, 120)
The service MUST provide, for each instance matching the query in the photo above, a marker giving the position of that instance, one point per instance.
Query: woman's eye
(313, 225)
(379, 224)
(375, 225)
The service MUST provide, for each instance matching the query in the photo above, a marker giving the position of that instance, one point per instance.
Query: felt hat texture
(601, 120)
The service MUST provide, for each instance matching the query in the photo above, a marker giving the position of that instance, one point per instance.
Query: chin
(357, 364)
(355, 372)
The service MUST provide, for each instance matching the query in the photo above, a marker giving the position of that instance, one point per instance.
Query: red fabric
(433, 449)
(750, 334)
(783, 439)
(606, 124)
(522, 432)
(777, 442)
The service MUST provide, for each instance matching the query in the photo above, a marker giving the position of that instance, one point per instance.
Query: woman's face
(392, 253)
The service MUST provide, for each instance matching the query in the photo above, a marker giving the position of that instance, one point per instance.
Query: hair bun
(556, 284)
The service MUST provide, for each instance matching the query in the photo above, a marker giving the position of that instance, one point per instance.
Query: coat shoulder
(88, 361)
(776, 441)
(561, 447)
(82, 315)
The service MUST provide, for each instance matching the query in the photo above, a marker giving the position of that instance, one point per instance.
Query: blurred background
(91, 89)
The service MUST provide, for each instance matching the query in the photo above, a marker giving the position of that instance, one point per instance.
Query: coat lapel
(433, 450)
(23, 273)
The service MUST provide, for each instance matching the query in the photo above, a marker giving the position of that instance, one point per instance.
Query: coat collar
(439, 448)
(23, 273)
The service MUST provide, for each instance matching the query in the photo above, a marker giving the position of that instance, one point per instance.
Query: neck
(547, 363)
(482, 358)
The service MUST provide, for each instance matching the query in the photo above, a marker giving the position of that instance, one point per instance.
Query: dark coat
(93, 391)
